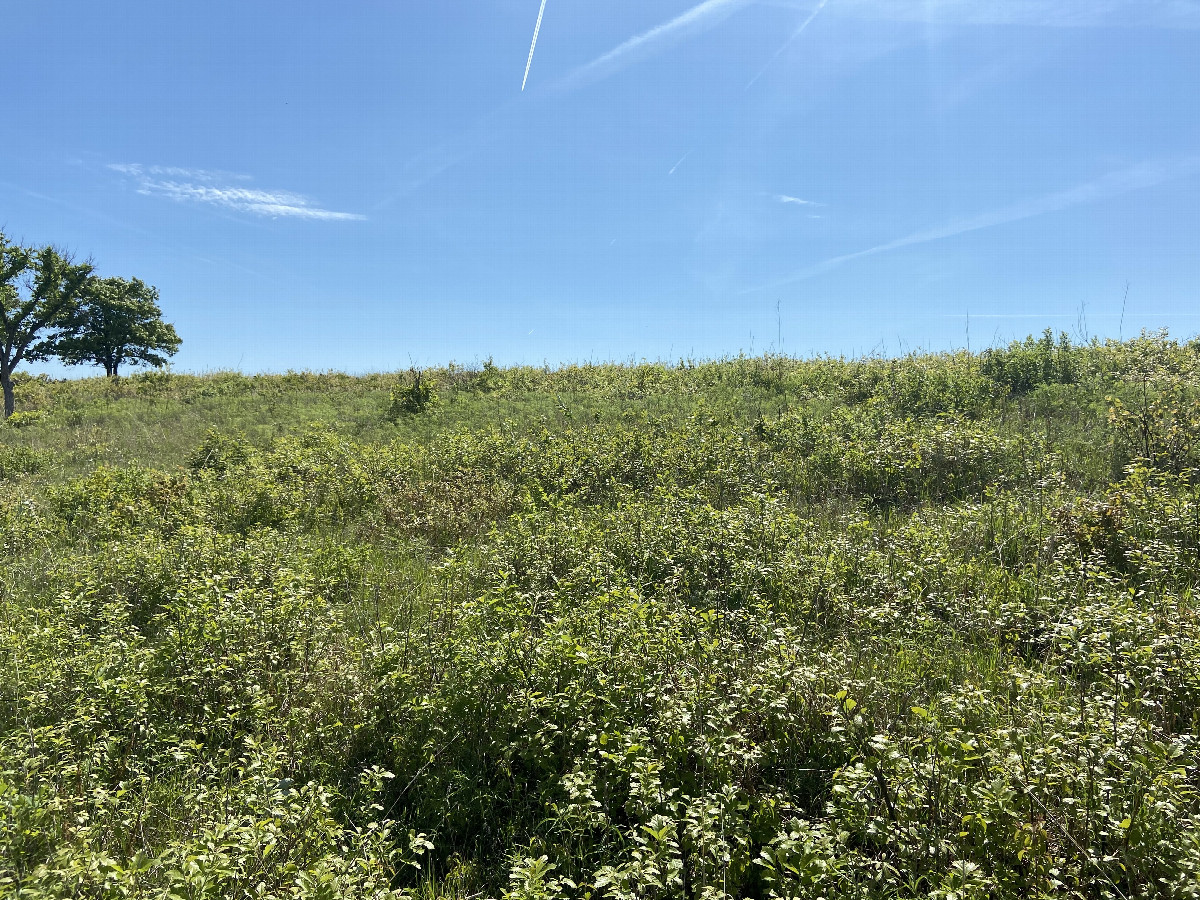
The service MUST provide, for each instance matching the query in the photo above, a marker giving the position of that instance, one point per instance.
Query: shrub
(1025, 365)
(1161, 428)
(411, 398)
(17, 460)
(24, 419)
(863, 452)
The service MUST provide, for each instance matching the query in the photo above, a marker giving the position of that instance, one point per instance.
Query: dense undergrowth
(749, 628)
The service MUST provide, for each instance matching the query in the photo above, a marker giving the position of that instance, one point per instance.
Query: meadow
(753, 627)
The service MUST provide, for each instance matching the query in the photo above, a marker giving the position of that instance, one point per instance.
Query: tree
(39, 291)
(117, 322)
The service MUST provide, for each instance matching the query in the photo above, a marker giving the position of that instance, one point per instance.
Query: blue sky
(366, 186)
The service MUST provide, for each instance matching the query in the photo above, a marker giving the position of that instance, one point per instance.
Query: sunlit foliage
(760, 627)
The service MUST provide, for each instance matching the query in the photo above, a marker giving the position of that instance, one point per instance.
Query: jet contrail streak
(533, 46)
(1122, 181)
(795, 34)
(701, 16)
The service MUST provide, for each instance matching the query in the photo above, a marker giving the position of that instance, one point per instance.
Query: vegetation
(38, 290)
(760, 627)
(118, 322)
(51, 306)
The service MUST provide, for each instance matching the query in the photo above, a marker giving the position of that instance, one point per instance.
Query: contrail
(533, 46)
(795, 34)
(701, 16)
(1123, 181)
(680, 163)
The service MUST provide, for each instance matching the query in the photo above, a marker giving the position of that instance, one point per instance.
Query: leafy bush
(412, 398)
(864, 452)
(1025, 365)
(17, 460)
(1162, 428)
(23, 419)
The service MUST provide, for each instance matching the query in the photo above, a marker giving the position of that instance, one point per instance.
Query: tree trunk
(9, 400)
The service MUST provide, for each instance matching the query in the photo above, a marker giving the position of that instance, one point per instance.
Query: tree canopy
(40, 290)
(118, 322)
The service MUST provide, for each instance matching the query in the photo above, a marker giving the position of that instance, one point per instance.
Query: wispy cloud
(792, 37)
(699, 18)
(137, 170)
(1044, 13)
(215, 189)
(1114, 184)
(262, 203)
(785, 198)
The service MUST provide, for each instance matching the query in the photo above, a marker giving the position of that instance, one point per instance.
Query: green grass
(752, 627)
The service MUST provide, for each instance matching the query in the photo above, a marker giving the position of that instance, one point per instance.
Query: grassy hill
(754, 627)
